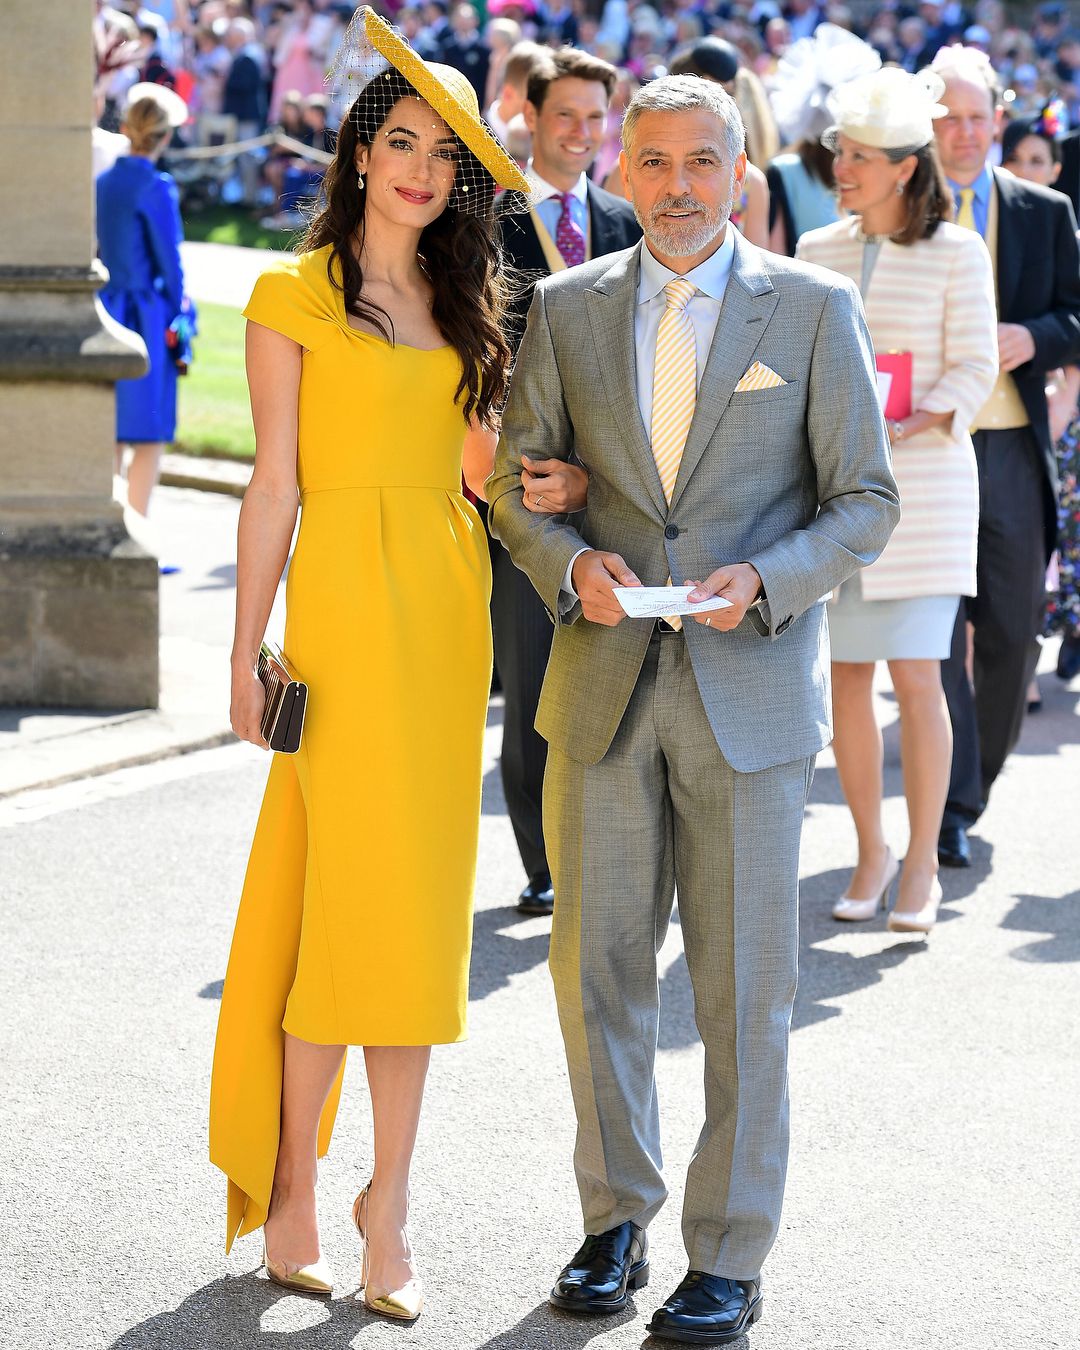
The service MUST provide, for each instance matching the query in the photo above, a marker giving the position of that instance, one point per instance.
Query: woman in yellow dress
(376, 368)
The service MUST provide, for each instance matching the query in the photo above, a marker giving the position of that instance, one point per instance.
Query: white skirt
(919, 629)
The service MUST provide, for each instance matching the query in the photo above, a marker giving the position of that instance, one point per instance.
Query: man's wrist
(759, 594)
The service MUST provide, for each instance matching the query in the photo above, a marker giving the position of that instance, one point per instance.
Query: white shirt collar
(710, 277)
(543, 190)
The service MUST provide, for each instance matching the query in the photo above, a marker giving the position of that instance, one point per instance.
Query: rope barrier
(233, 149)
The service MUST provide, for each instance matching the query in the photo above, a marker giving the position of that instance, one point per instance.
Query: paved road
(933, 1189)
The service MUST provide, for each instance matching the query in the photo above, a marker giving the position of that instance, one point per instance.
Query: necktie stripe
(674, 387)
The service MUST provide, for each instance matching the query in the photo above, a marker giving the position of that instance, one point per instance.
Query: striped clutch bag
(286, 701)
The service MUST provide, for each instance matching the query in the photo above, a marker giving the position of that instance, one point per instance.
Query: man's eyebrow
(701, 150)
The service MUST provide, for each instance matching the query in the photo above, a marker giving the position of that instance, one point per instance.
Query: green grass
(214, 414)
(234, 225)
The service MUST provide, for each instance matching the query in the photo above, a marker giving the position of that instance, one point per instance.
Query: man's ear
(529, 112)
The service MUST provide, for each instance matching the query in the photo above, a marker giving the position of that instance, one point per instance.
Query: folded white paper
(657, 602)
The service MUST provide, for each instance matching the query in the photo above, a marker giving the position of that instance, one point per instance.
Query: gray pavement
(933, 1189)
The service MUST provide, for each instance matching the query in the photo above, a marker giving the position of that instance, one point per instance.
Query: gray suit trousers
(663, 810)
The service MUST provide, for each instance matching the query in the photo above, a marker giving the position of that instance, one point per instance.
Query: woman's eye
(400, 144)
(447, 156)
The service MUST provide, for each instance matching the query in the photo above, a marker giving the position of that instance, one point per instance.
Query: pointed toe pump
(851, 910)
(317, 1278)
(402, 1305)
(921, 920)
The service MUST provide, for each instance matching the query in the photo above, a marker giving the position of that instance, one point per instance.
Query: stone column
(78, 598)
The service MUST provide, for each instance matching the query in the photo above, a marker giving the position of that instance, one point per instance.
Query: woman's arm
(478, 456)
(754, 225)
(268, 515)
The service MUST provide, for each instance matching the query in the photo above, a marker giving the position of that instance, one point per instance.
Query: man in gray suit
(681, 752)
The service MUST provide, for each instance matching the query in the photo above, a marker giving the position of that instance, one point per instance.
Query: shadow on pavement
(230, 1312)
(546, 1326)
(497, 955)
(1058, 919)
(221, 578)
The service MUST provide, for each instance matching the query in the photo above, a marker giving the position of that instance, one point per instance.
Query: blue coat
(139, 234)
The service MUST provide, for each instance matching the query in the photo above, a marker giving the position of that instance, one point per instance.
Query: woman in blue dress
(139, 234)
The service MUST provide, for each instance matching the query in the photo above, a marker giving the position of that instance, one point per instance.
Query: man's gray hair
(687, 93)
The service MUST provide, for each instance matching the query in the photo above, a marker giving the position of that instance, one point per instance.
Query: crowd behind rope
(245, 67)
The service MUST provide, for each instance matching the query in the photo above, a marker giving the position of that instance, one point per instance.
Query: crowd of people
(865, 392)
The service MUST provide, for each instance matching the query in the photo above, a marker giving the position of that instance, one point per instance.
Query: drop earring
(900, 188)
(360, 181)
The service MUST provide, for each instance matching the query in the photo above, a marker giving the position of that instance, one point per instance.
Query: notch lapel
(611, 305)
(748, 305)
(1012, 220)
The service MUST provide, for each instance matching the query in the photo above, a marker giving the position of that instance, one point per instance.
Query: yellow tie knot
(966, 215)
(679, 293)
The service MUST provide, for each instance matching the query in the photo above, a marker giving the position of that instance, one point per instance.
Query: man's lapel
(611, 305)
(600, 224)
(1012, 226)
(748, 305)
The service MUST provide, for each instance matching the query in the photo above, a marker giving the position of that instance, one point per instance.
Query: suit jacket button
(671, 532)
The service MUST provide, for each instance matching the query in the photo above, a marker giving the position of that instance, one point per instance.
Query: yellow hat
(447, 91)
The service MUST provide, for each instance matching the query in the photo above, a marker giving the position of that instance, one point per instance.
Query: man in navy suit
(574, 220)
(1031, 234)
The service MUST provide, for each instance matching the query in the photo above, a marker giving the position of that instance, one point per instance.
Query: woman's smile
(417, 196)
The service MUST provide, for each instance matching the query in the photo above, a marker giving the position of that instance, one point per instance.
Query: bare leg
(926, 756)
(143, 473)
(292, 1226)
(859, 753)
(396, 1076)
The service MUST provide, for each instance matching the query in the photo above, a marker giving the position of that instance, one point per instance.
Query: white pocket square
(759, 377)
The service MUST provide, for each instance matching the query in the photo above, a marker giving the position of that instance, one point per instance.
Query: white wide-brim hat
(888, 109)
(170, 102)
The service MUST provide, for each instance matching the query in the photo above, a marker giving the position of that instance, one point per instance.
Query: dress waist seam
(381, 487)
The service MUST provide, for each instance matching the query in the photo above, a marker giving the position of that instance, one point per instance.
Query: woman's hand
(248, 705)
(553, 487)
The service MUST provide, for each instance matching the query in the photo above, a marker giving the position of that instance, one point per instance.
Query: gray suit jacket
(795, 479)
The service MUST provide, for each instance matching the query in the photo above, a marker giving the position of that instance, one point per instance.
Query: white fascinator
(889, 110)
(809, 70)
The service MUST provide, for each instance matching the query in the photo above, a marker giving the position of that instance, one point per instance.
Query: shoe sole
(688, 1337)
(637, 1279)
(953, 860)
(539, 910)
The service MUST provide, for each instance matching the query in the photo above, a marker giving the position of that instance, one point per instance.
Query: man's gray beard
(674, 242)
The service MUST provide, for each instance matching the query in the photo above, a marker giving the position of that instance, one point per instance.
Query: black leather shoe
(953, 849)
(538, 897)
(707, 1310)
(1068, 662)
(603, 1270)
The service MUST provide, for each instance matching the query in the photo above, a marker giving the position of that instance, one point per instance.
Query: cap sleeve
(284, 300)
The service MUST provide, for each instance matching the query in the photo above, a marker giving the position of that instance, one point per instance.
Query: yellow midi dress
(356, 915)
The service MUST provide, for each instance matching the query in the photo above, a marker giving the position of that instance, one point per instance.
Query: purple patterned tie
(568, 237)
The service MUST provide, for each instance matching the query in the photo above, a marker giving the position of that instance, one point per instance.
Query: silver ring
(708, 623)
(540, 499)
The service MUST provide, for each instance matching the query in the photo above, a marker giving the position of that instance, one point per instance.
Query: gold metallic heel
(317, 1278)
(404, 1304)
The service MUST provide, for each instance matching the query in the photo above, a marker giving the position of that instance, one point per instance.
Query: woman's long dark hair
(459, 253)
(927, 198)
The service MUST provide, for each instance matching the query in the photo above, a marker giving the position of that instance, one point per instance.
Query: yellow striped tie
(674, 389)
(966, 215)
(674, 383)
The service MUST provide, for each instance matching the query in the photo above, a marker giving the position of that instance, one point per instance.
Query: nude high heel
(858, 911)
(317, 1278)
(922, 920)
(404, 1304)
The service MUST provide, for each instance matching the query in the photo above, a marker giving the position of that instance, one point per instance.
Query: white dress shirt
(703, 309)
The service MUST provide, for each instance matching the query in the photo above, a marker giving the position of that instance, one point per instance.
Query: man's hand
(553, 487)
(594, 577)
(739, 583)
(1016, 346)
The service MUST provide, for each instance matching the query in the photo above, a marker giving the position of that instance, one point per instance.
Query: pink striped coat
(934, 298)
